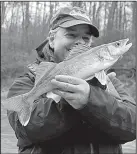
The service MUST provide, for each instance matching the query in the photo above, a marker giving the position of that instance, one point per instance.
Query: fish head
(118, 48)
(108, 54)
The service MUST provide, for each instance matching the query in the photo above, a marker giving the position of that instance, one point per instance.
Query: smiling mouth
(70, 48)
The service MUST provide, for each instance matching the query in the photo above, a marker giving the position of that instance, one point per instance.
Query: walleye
(82, 62)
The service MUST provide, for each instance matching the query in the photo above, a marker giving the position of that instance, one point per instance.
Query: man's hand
(74, 90)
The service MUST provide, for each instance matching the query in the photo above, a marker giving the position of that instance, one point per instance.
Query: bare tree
(134, 23)
(56, 5)
(36, 14)
(120, 16)
(134, 20)
(27, 22)
(105, 18)
(98, 14)
(90, 8)
(124, 20)
(94, 13)
(116, 22)
(44, 17)
(25, 25)
(111, 15)
(123, 17)
(3, 11)
(51, 11)
(77, 3)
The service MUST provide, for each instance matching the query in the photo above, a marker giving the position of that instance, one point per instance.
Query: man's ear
(51, 41)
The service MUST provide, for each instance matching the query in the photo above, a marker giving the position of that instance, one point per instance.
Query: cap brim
(94, 30)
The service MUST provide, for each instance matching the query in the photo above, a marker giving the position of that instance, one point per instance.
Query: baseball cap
(71, 16)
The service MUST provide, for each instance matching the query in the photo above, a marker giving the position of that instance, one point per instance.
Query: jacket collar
(44, 52)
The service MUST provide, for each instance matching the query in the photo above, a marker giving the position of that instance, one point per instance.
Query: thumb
(112, 74)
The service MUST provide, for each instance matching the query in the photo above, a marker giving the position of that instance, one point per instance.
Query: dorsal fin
(76, 50)
(42, 68)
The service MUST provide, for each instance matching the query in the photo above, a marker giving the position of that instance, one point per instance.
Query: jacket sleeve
(115, 117)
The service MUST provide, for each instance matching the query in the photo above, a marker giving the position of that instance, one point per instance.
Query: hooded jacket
(99, 127)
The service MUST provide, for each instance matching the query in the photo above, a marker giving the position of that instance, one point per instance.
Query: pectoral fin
(102, 77)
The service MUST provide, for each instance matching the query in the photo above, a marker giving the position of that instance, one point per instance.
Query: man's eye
(71, 35)
(86, 39)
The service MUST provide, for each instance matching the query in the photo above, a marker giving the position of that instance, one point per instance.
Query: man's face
(65, 38)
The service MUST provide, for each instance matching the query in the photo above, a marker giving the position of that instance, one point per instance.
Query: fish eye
(117, 44)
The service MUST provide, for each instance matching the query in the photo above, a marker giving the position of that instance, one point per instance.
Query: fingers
(64, 94)
(69, 79)
(67, 83)
(64, 86)
(74, 90)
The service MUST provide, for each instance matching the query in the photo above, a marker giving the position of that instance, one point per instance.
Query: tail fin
(19, 105)
(24, 115)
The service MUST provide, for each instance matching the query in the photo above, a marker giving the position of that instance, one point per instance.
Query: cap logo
(79, 13)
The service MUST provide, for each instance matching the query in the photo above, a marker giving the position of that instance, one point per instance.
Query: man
(87, 119)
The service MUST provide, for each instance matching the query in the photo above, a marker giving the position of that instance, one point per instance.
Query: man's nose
(80, 41)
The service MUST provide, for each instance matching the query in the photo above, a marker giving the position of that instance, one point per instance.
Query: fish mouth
(122, 46)
(126, 40)
(126, 46)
